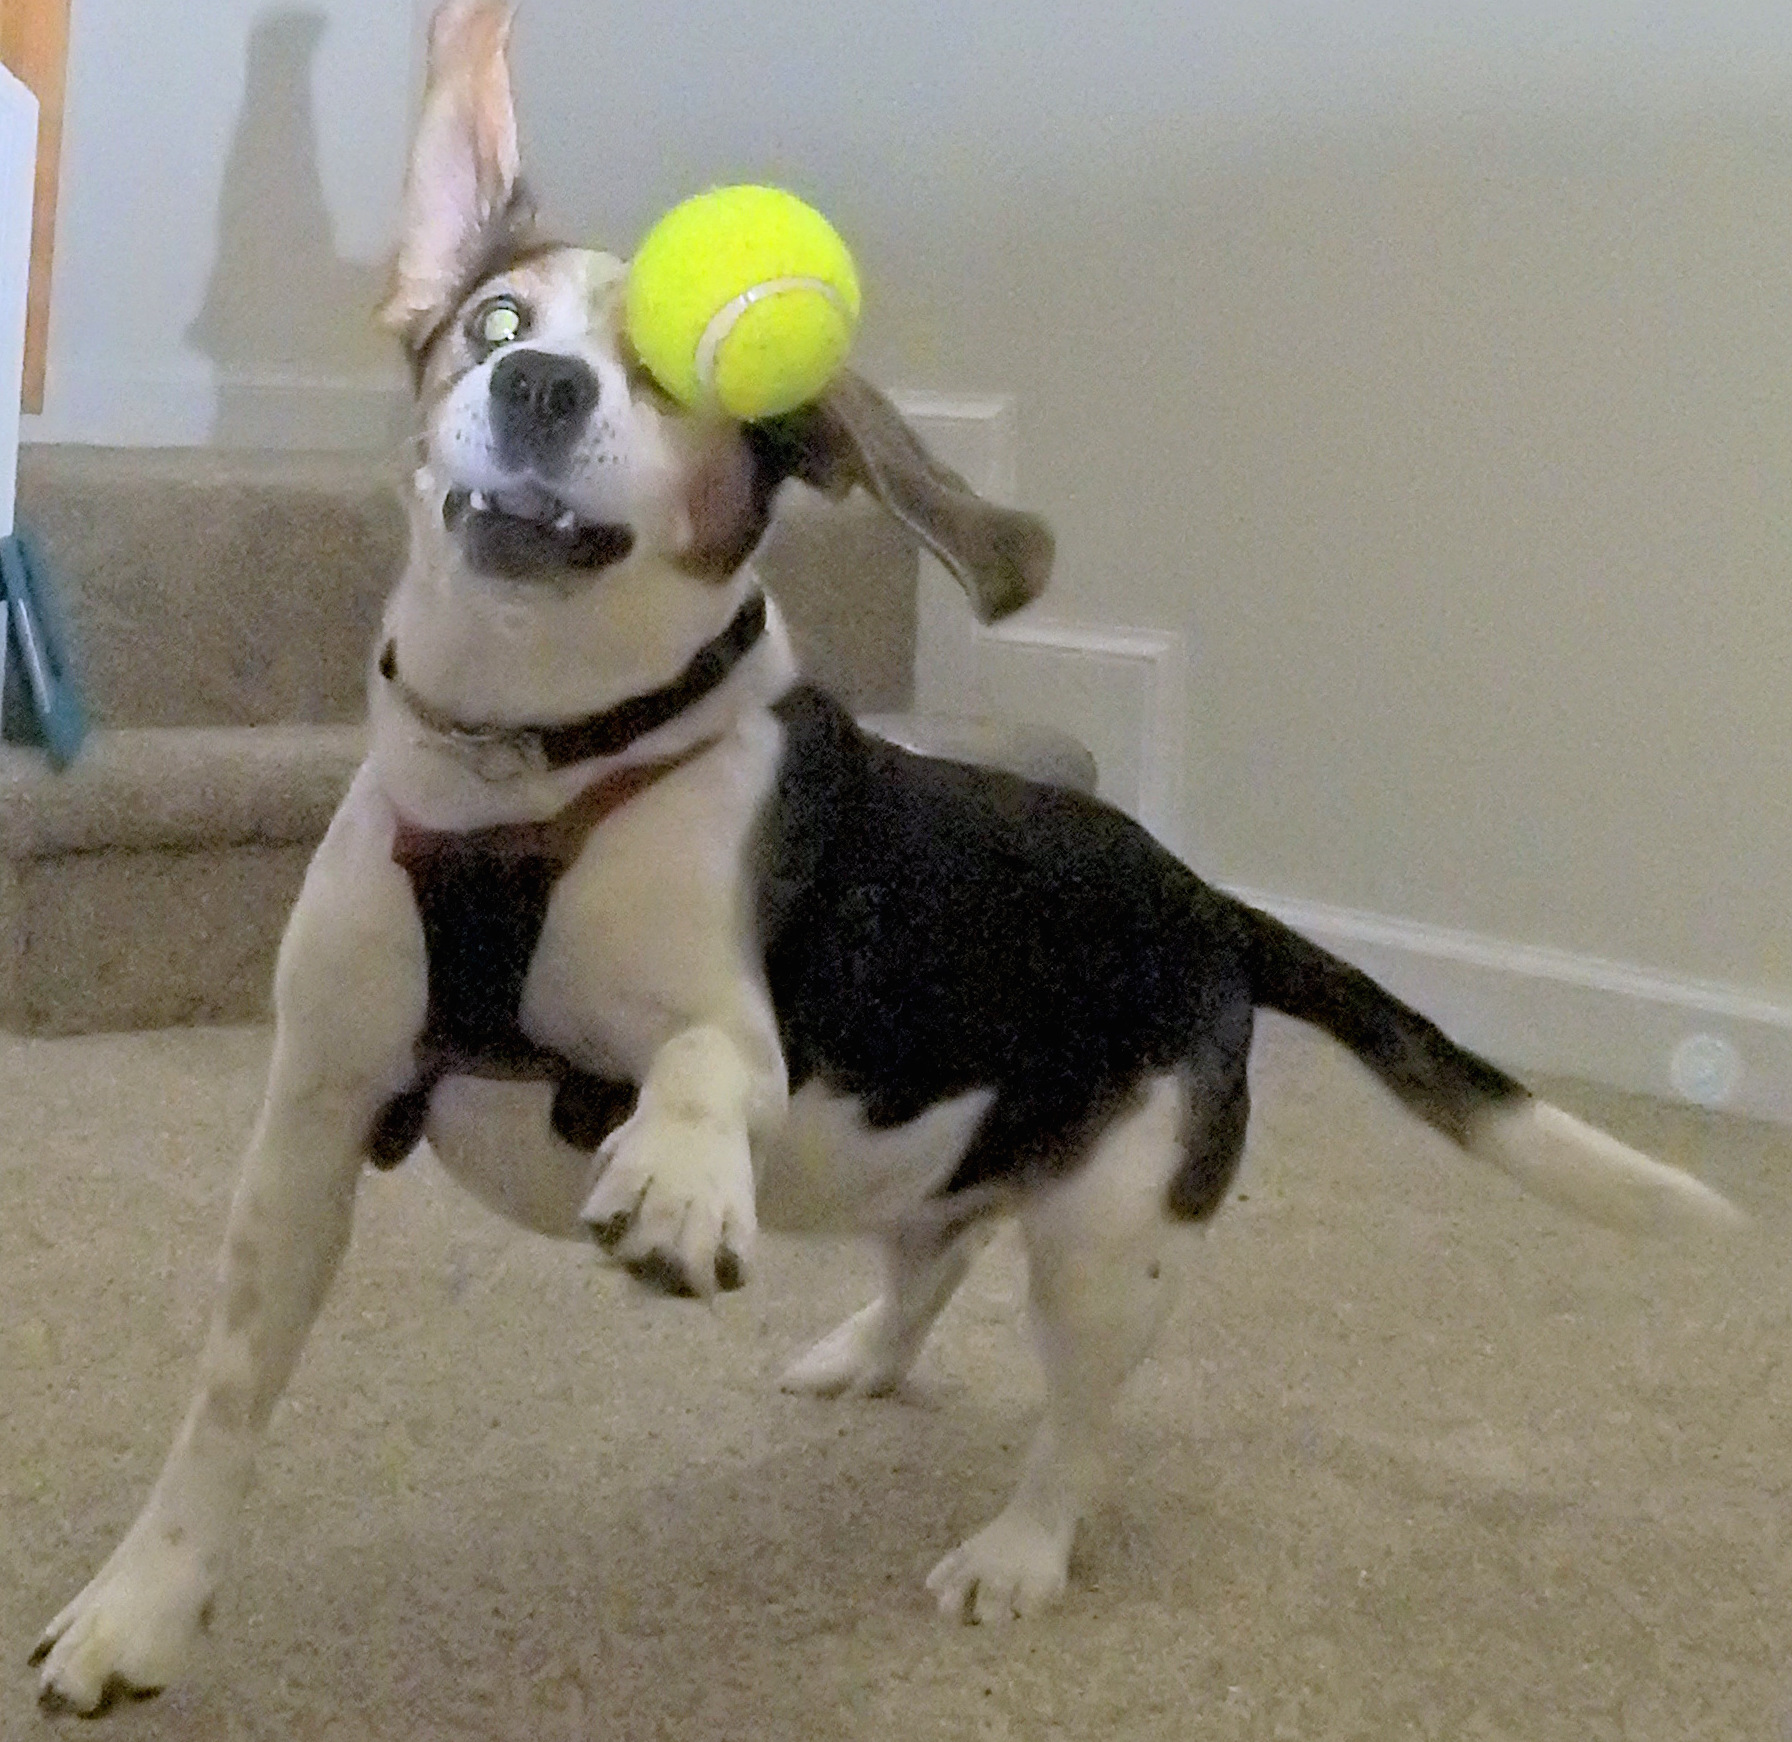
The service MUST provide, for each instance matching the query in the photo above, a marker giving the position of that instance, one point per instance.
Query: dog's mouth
(522, 529)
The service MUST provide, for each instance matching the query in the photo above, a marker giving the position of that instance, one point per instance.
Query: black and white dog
(652, 944)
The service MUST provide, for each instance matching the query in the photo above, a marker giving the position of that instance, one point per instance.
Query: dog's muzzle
(523, 529)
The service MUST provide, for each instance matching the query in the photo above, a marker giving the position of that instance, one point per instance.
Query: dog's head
(548, 453)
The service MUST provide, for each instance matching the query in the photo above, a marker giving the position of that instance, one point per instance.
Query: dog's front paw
(674, 1202)
(129, 1631)
(1014, 1566)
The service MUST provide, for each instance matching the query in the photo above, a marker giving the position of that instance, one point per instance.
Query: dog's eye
(497, 322)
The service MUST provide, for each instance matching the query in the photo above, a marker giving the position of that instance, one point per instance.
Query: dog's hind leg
(1103, 1254)
(350, 997)
(869, 1354)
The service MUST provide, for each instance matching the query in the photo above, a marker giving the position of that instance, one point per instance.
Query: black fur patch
(399, 1128)
(587, 1109)
(1447, 1086)
(931, 928)
(1219, 1110)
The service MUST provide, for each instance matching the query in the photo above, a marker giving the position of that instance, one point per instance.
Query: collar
(496, 752)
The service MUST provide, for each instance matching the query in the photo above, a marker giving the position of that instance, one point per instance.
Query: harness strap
(482, 896)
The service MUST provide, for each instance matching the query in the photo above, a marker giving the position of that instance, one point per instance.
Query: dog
(651, 943)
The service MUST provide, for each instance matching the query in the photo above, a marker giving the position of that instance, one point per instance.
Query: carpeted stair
(222, 608)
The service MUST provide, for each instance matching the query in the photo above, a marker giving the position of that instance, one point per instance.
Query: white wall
(1424, 371)
(229, 176)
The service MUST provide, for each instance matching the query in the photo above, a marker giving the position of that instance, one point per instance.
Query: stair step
(222, 607)
(211, 589)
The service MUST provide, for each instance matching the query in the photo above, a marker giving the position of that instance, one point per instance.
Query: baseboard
(1553, 1011)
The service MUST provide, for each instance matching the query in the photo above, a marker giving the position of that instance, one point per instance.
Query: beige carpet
(1419, 1459)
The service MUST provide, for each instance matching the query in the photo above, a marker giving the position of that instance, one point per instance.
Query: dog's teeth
(566, 522)
(478, 500)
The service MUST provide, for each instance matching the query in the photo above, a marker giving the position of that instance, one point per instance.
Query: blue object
(40, 702)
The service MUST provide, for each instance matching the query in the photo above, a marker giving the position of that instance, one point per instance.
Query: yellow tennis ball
(743, 298)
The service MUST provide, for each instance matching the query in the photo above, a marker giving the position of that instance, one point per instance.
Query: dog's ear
(1002, 557)
(463, 204)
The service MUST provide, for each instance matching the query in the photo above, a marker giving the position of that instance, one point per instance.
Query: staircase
(222, 607)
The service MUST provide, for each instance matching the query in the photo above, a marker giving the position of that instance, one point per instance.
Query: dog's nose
(540, 402)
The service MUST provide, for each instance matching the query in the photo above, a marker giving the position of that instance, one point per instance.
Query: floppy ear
(854, 435)
(462, 200)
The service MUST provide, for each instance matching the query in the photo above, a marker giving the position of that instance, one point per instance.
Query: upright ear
(462, 200)
(854, 435)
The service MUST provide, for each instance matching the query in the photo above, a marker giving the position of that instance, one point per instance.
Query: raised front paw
(674, 1202)
(129, 1631)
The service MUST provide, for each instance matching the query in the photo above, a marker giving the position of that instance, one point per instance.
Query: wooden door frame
(34, 45)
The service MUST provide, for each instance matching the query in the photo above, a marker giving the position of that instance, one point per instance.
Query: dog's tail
(1491, 1115)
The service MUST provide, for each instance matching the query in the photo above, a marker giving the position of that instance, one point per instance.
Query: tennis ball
(743, 298)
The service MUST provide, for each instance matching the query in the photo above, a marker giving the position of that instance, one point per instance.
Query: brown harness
(482, 894)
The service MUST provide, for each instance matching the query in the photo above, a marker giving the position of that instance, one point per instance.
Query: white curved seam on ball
(724, 320)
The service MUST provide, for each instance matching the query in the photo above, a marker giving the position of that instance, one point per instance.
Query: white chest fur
(651, 931)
